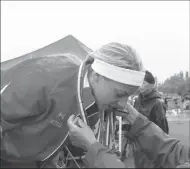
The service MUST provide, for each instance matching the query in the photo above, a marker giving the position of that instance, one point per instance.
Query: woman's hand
(127, 111)
(80, 134)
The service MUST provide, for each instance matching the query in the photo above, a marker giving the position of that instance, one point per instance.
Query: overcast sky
(158, 30)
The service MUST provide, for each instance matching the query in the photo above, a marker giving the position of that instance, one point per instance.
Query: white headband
(118, 74)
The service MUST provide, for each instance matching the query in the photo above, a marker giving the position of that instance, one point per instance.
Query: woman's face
(146, 88)
(108, 92)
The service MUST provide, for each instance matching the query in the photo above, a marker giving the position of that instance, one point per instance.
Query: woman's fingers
(71, 122)
(81, 123)
(76, 120)
(131, 109)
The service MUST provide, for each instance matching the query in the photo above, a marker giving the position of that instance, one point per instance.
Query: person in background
(166, 102)
(150, 103)
(177, 107)
(165, 151)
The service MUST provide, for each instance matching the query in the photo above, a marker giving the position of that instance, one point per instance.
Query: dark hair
(149, 77)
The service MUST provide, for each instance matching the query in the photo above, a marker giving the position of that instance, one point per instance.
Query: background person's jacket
(153, 107)
(167, 152)
(38, 97)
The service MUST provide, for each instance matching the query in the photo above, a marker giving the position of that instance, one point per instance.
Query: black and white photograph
(95, 84)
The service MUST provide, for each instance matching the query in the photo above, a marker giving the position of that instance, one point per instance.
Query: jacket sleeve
(99, 156)
(158, 146)
(158, 116)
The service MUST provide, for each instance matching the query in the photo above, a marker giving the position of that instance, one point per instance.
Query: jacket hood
(153, 94)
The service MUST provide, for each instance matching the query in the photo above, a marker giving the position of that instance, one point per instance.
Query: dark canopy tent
(69, 44)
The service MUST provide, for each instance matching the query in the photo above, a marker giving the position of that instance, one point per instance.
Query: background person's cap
(149, 77)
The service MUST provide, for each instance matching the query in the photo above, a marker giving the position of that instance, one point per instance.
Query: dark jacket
(39, 97)
(153, 107)
(167, 152)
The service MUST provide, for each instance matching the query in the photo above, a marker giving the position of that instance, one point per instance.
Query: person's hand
(127, 111)
(80, 134)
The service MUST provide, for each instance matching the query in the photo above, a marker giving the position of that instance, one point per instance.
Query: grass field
(180, 130)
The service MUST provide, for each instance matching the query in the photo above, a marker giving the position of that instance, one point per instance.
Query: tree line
(179, 84)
